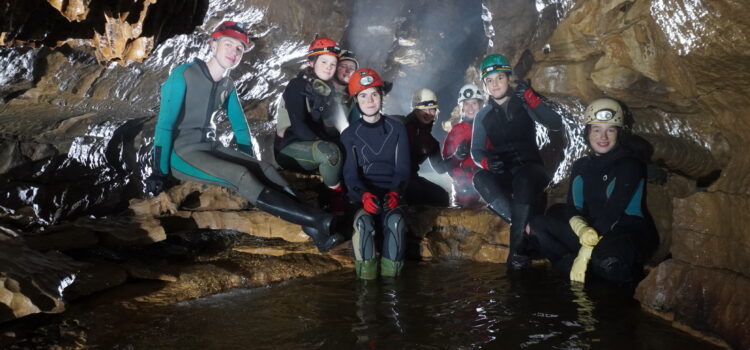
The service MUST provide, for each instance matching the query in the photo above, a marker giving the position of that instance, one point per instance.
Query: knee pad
(327, 152)
(363, 240)
(394, 245)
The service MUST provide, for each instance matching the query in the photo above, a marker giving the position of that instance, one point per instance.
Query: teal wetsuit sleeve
(172, 101)
(479, 138)
(545, 115)
(238, 121)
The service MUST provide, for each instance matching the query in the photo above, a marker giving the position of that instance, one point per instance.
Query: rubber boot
(390, 268)
(366, 269)
(315, 223)
(501, 207)
(520, 217)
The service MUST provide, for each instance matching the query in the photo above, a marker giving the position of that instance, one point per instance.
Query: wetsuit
(308, 143)
(423, 146)
(184, 145)
(608, 191)
(505, 135)
(461, 167)
(377, 161)
(184, 137)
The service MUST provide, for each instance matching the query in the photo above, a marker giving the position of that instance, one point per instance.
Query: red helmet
(363, 79)
(323, 46)
(232, 30)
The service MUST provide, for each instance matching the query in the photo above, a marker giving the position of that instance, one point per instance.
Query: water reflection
(434, 306)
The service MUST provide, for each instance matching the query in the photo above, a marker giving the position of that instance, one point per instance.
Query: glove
(392, 199)
(587, 235)
(462, 151)
(371, 203)
(589, 238)
(527, 94)
(155, 184)
(494, 164)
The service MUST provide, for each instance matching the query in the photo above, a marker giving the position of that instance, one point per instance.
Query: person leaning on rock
(308, 141)
(503, 144)
(185, 145)
(606, 226)
(423, 146)
(457, 145)
(376, 172)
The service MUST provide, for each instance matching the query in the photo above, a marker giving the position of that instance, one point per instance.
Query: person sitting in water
(423, 146)
(608, 228)
(503, 144)
(376, 172)
(185, 144)
(309, 140)
(457, 145)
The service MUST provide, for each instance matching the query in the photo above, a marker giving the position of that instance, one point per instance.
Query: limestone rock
(32, 282)
(709, 300)
(712, 231)
(476, 235)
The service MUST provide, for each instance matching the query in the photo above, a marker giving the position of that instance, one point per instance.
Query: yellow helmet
(604, 111)
(424, 99)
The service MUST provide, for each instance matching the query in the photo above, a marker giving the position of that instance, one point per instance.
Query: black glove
(495, 165)
(527, 94)
(155, 184)
(462, 151)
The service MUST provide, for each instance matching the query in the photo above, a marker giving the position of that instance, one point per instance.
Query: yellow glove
(586, 234)
(588, 238)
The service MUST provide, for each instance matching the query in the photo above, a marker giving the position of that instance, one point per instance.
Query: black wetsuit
(423, 146)
(608, 191)
(377, 161)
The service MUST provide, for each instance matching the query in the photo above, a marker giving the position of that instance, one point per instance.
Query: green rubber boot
(366, 269)
(390, 268)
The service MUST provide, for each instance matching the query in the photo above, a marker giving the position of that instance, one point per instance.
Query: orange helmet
(323, 46)
(363, 79)
(232, 30)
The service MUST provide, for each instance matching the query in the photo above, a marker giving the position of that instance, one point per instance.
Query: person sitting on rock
(457, 145)
(608, 227)
(423, 146)
(308, 140)
(503, 144)
(185, 144)
(376, 171)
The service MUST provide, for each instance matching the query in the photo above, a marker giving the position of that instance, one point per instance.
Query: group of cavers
(369, 162)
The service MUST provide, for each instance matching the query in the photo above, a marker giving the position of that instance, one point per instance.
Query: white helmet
(604, 111)
(470, 91)
(424, 99)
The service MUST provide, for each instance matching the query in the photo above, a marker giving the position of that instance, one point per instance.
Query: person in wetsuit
(309, 140)
(376, 172)
(606, 226)
(346, 111)
(185, 144)
(457, 145)
(423, 146)
(512, 178)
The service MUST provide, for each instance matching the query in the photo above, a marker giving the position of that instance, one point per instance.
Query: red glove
(391, 200)
(531, 98)
(371, 203)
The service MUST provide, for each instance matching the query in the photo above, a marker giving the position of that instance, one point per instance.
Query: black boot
(520, 217)
(315, 223)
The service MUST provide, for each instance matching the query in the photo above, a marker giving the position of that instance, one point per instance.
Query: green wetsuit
(184, 137)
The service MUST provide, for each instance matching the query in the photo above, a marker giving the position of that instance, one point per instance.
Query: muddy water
(434, 306)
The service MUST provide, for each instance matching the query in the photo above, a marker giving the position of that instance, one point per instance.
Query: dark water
(433, 306)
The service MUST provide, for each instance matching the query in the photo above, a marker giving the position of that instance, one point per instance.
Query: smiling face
(369, 101)
(344, 70)
(426, 116)
(227, 51)
(325, 66)
(496, 85)
(602, 137)
(471, 107)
